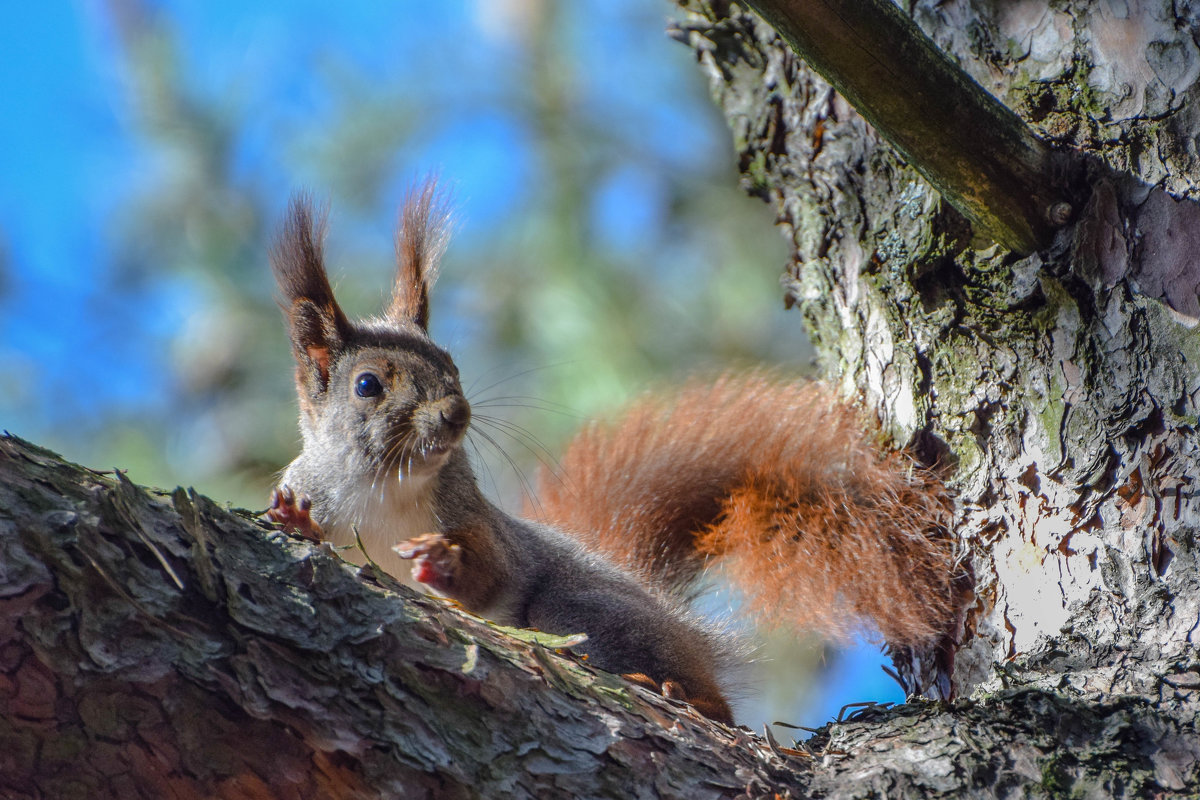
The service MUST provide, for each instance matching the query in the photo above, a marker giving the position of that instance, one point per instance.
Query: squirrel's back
(815, 521)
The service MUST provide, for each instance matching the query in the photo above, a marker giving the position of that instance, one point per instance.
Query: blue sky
(73, 152)
(62, 145)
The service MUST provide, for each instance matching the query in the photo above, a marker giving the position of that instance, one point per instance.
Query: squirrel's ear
(317, 326)
(420, 241)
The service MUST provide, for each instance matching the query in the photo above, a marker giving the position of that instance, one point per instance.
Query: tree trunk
(159, 646)
(1059, 389)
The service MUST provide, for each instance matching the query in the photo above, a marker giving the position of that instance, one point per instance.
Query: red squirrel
(780, 481)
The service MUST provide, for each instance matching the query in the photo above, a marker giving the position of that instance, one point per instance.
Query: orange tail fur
(815, 522)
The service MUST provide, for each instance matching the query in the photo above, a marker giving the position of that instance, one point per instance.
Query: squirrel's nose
(442, 421)
(454, 411)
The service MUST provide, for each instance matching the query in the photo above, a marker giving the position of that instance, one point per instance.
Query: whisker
(522, 437)
(527, 401)
(398, 446)
(472, 392)
(526, 485)
(490, 370)
(393, 446)
(550, 463)
(481, 461)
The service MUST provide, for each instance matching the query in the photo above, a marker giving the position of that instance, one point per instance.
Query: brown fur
(297, 256)
(814, 521)
(316, 321)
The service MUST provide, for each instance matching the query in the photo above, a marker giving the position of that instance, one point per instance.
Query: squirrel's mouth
(439, 427)
(426, 457)
(435, 450)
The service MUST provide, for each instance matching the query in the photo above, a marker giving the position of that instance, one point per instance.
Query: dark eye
(367, 385)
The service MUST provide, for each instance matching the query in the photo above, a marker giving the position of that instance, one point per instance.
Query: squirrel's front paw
(672, 690)
(711, 705)
(293, 513)
(436, 560)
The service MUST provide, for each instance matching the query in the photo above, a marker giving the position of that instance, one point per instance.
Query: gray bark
(1059, 388)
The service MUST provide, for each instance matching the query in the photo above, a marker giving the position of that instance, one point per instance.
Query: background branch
(974, 150)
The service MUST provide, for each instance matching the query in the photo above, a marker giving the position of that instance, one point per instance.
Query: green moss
(1056, 779)
(969, 457)
(1051, 420)
(756, 173)
(1075, 91)
(616, 689)
(1058, 299)
(547, 640)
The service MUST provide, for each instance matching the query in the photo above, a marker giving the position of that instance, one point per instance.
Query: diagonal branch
(272, 668)
(974, 150)
(276, 671)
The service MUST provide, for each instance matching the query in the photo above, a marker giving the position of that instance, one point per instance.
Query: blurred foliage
(553, 318)
(623, 253)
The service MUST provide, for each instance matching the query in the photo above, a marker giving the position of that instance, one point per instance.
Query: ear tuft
(297, 254)
(420, 242)
(317, 325)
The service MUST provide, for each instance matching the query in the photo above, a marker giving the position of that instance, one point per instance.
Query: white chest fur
(384, 514)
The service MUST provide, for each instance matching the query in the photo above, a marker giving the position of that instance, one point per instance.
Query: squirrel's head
(378, 390)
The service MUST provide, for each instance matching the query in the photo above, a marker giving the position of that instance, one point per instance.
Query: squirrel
(780, 481)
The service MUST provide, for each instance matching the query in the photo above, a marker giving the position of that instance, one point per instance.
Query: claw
(294, 515)
(436, 560)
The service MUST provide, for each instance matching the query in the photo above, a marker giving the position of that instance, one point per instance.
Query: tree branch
(155, 645)
(974, 150)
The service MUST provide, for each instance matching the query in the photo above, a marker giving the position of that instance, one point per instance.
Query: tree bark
(992, 168)
(1058, 389)
(156, 645)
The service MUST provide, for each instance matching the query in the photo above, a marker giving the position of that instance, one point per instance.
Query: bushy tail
(817, 524)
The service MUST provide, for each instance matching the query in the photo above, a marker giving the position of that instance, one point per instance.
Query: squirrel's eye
(367, 385)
